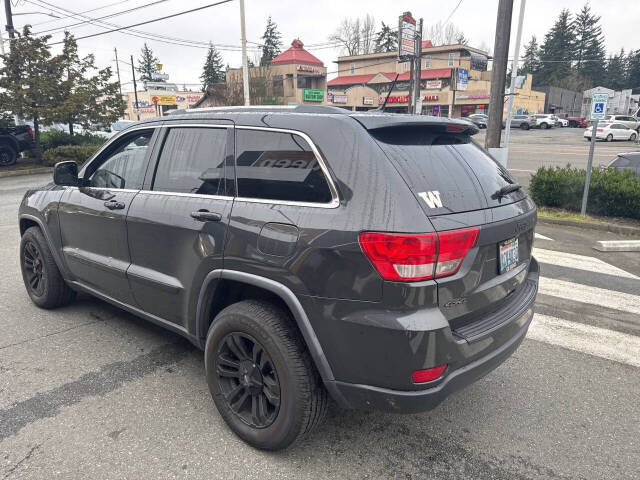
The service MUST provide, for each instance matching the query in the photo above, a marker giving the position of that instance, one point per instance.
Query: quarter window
(192, 161)
(278, 166)
(123, 165)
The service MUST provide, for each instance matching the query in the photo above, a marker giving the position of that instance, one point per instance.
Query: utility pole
(135, 89)
(454, 84)
(2, 52)
(512, 89)
(499, 73)
(412, 86)
(118, 71)
(417, 109)
(9, 15)
(245, 68)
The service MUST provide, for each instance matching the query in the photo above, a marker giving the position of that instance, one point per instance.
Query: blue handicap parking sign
(598, 107)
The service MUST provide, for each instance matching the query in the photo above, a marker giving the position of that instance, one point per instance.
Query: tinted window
(123, 165)
(620, 162)
(278, 166)
(192, 161)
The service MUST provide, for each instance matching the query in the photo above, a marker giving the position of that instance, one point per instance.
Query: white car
(628, 120)
(611, 131)
(544, 120)
(563, 122)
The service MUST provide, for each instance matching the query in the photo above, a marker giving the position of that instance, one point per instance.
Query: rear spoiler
(373, 121)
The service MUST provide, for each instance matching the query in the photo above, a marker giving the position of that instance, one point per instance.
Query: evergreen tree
(633, 70)
(386, 40)
(531, 58)
(616, 77)
(272, 44)
(146, 63)
(589, 51)
(557, 51)
(212, 71)
(29, 81)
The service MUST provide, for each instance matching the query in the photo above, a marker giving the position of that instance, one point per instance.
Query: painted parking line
(596, 341)
(539, 236)
(580, 262)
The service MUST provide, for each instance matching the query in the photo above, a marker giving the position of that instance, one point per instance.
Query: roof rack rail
(326, 109)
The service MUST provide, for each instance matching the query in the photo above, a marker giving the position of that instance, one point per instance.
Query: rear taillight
(428, 375)
(599, 130)
(31, 132)
(411, 257)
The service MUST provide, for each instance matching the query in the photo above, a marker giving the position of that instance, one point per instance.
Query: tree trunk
(70, 125)
(36, 136)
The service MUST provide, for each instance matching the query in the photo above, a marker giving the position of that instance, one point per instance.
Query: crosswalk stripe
(543, 237)
(580, 262)
(600, 342)
(592, 295)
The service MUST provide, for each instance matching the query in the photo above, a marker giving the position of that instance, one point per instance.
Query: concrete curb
(617, 246)
(25, 171)
(604, 227)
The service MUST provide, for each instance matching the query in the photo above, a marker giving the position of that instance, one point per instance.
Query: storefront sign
(193, 97)
(407, 36)
(433, 84)
(367, 100)
(310, 69)
(472, 97)
(339, 98)
(462, 80)
(395, 99)
(164, 99)
(312, 95)
(430, 98)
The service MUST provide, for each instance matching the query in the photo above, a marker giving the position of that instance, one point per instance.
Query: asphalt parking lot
(89, 391)
(535, 148)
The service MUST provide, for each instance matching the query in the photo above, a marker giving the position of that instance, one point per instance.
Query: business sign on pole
(599, 106)
(406, 37)
(462, 79)
(159, 76)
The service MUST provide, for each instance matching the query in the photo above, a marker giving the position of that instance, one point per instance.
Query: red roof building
(298, 55)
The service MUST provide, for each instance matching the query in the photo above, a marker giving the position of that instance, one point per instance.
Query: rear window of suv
(431, 160)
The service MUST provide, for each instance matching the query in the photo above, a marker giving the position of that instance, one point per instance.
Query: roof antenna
(382, 107)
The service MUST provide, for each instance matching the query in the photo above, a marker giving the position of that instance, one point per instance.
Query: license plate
(508, 251)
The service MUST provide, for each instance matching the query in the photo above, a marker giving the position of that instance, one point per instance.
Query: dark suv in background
(382, 260)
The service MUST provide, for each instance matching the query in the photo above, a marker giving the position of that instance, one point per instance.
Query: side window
(123, 165)
(278, 166)
(192, 161)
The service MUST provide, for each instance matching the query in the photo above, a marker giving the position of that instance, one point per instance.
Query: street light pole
(135, 89)
(7, 11)
(245, 67)
(118, 71)
(512, 89)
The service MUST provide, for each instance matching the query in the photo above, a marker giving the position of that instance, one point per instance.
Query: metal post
(412, 87)
(245, 68)
(418, 72)
(135, 89)
(7, 11)
(512, 89)
(585, 194)
(118, 71)
(498, 73)
(454, 81)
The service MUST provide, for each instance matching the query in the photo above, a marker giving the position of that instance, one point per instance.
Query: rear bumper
(350, 395)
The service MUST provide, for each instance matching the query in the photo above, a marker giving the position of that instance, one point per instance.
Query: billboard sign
(462, 79)
(406, 37)
(599, 106)
(164, 99)
(433, 84)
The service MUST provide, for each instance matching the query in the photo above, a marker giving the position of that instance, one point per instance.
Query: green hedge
(54, 138)
(78, 153)
(612, 192)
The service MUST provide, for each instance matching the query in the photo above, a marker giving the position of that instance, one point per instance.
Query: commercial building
(293, 77)
(561, 101)
(157, 99)
(364, 82)
(620, 103)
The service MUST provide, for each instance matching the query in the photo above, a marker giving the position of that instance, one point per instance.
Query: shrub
(77, 153)
(612, 192)
(55, 138)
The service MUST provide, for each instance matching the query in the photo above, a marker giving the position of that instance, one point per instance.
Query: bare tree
(444, 34)
(356, 36)
(367, 34)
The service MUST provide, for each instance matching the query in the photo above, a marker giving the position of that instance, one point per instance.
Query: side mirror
(66, 174)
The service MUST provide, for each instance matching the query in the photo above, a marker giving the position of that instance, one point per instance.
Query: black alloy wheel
(7, 156)
(248, 379)
(33, 268)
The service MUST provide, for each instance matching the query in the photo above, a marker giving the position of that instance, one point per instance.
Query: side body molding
(292, 302)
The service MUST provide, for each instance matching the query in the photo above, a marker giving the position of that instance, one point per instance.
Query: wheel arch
(27, 221)
(213, 288)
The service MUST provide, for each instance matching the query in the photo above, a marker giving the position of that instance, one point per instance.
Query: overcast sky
(310, 21)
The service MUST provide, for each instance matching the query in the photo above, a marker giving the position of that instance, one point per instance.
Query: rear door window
(192, 161)
(278, 166)
(450, 166)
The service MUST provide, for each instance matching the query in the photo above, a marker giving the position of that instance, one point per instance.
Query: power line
(85, 11)
(452, 12)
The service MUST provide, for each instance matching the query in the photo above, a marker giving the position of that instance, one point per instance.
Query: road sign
(462, 80)
(599, 106)
(406, 37)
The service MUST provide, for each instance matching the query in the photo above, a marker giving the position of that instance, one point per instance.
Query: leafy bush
(55, 138)
(77, 153)
(612, 192)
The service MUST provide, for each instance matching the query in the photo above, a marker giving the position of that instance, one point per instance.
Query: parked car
(611, 132)
(544, 120)
(478, 119)
(627, 161)
(562, 122)
(120, 125)
(577, 122)
(525, 122)
(371, 270)
(13, 140)
(627, 120)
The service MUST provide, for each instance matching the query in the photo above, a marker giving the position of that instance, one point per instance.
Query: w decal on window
(432, 198)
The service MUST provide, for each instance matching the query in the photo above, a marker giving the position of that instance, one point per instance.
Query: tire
(241, 330)
(633, 137)
(544, 125)
(524, 126)
(42, 279)
(8, 155)
(609, 138)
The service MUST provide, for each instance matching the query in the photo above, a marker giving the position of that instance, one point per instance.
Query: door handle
(114, 205)
(206, 216)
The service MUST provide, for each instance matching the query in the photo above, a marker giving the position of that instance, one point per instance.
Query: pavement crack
(108, 378)
(2, 347)
(24, 459)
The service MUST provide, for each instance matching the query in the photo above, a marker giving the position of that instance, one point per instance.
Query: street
(556, 147)
(89, 391)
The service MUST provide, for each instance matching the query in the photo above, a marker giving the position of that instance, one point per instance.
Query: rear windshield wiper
(511, 187)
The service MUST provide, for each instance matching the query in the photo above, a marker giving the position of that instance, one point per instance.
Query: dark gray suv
(381, 260)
